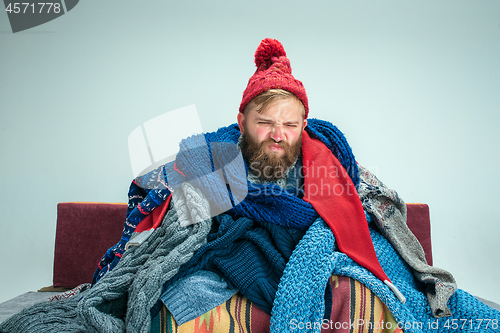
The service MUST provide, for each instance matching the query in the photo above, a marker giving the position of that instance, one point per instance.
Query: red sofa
(85, 230)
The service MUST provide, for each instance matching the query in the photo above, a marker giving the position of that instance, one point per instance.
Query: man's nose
(277, 133)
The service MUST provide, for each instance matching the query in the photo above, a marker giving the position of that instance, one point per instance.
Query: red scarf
(330, 190)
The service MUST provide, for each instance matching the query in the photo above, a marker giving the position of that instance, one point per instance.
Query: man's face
(272, 138)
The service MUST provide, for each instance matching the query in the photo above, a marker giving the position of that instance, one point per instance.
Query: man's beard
(269, 166)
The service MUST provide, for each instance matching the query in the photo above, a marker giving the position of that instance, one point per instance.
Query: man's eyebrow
(294, 121)
(263, 118)
(288, 122)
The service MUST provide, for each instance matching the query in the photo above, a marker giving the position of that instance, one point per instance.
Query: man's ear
(305, 124)
(241, 121)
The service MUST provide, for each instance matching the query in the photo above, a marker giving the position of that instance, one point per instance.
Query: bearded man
(271, 128)
(317, 243)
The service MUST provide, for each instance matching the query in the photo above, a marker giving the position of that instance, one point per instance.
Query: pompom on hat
(273, 72)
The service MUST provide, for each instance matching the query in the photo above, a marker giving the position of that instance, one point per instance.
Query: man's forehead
(289, 107)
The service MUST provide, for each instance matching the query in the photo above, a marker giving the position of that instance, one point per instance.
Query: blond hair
(263, 100)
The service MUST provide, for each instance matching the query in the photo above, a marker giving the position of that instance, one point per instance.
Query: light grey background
(413, 85)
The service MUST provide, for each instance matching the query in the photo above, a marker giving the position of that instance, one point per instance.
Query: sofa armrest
(419, 222)
(84, 232)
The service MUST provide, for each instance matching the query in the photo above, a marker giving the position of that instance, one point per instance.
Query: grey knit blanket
(132, 288)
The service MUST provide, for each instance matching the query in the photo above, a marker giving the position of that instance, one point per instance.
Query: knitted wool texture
(145, 194)
(273, 72)
(389, 211)
(128, 291)
(250, 255)
(300, 295)
(193, 296)
(301, 299)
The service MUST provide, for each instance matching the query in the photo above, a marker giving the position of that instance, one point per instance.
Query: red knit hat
(273, 72)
